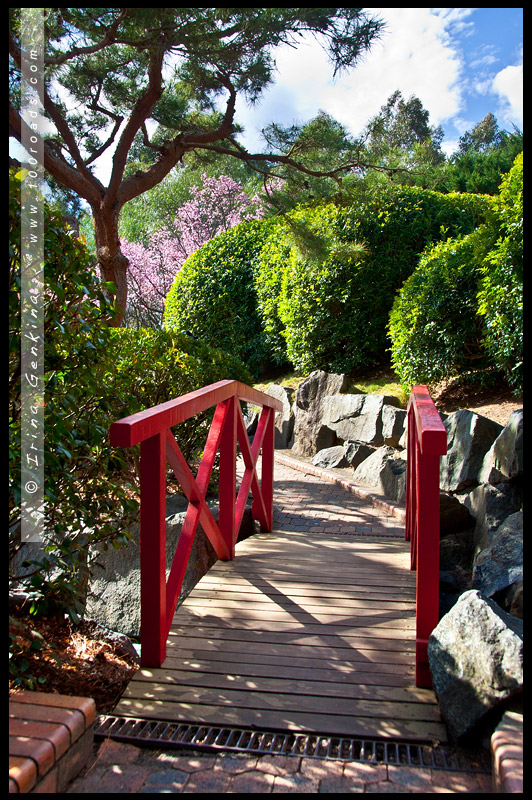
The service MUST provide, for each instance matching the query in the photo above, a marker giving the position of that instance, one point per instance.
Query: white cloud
(508, 85)
(415, 55)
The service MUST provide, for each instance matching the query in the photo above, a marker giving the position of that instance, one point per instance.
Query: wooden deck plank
(292, 669)
(252, 641)
(299, 632)
(321, 703)
(239, 679)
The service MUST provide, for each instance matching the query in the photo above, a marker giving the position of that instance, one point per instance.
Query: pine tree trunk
(112, 262)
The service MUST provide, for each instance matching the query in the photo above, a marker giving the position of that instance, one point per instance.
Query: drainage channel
(170, 735)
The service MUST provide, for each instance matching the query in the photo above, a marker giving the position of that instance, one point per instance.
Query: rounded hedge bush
(213, 295)
(461, 311)
(316, 286)
(434, 327)
(334, 296)
(501, 288)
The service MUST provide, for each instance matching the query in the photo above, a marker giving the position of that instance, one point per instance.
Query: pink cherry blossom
(216, 207)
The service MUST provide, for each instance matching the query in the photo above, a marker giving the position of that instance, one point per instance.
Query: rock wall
(338, 426)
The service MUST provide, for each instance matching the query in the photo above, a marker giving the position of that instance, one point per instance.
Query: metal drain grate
(168, 735)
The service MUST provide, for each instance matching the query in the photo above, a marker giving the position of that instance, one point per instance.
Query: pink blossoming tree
(216, 207)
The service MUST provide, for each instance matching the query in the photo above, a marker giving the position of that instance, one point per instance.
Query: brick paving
(125, 768)
(303, 502)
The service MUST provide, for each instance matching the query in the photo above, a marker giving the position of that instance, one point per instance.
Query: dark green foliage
(151, 366)
(501, 287)
(214, 296)
(93, 375)
(87, 495)
(462, 309)
(435, 331)
(316, 286)
(332, 305)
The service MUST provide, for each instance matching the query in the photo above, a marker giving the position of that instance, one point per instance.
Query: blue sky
(462, 63)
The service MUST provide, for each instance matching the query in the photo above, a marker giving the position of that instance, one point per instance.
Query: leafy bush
(433, 325)
(150, 366)
(316, 286)
(462, 308)
(93, 375)
(501, 287)
(330, 301)
(86, 496)
(214, 296)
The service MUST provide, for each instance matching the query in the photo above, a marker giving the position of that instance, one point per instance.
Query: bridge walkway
(310, 628)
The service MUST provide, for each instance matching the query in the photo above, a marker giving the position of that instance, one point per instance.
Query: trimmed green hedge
(330, 301)
(461, 311)
(314, 288)
(214, 296)
(434, 327)
(500, 295)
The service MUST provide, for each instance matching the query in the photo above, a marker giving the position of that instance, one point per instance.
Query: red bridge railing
(427, 441)
(157, 446)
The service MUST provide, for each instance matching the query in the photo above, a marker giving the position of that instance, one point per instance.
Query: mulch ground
(70, 661)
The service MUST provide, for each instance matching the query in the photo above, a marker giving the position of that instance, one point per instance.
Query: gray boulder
(454, 515)
(355, 417)
(310, 434)
(490, 505)
(476, 660)
(330, 457)
(504, 460)
(500, 564)
(384, 471)
(284, 420)
(356, 452)
(393, 424)
(469, 437)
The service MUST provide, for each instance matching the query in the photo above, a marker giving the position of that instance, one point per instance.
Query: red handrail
(157, 445)
(427, 441)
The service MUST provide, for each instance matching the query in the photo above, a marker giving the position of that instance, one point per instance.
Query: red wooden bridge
(319, 624)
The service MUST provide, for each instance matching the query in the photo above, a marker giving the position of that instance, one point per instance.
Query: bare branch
(92, 191)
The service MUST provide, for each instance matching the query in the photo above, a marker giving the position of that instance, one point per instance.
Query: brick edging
(388, 506)
(507, 754)
(50, 740)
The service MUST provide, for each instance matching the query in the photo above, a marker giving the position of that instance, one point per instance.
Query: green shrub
(151, 366)
(214, 296)
(86, 492)
(334, 296)
(434, 328)
(93, 375)
(501, 288)
(462, 309)
(315, 287)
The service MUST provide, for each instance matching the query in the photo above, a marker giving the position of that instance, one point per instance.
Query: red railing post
(153, 550)
(227, 481)
(427, 441)
(267, 468)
